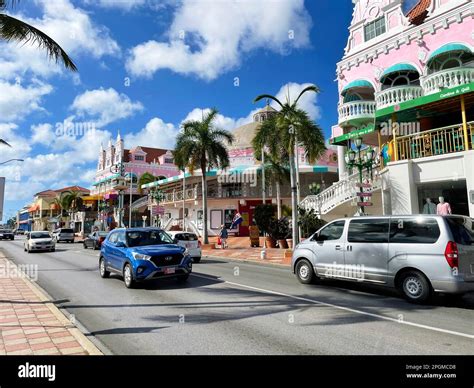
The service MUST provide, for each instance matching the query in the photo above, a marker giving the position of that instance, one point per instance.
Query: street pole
(184, 200)
(130, 204)
(263, 175)
(294, 204)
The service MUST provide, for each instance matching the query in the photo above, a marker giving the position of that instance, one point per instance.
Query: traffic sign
(364, 194)
(365, 204)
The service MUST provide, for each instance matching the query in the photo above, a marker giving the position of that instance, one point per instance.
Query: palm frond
(311, 88)
(267, 96)
(12, 29)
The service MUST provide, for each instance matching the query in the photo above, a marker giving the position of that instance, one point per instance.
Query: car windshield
(102, 234)
(138, 238)
(6, 231)
(186, 237)
(40, 235)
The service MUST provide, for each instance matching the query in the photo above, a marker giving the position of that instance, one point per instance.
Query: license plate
(169, 271)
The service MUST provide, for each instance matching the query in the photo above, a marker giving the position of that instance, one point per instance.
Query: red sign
(364, 194)
(364, 204)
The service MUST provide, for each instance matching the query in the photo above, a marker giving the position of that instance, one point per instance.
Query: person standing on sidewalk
(223, 234)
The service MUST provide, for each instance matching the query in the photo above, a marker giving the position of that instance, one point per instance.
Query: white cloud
(70, 26)
(122, 4)
(105, 106)
(41, 133)
(17, 101)
(215, 37)
(307, 102)
(156, 134)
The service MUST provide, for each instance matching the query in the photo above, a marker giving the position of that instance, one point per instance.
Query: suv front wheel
(304, 271)
(128, 276)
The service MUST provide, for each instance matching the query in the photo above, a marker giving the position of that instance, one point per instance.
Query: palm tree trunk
(294, 202)
(278, 199)
(204, 206)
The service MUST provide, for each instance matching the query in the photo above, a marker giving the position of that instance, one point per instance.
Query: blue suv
(140, 254)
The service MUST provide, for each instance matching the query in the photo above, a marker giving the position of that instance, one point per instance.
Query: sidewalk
(239, 249)
(30, 323)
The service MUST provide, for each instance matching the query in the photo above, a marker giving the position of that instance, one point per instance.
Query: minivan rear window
(66, 231)
(368, 231)
(414, 231)
(186, 237)
(461, 229)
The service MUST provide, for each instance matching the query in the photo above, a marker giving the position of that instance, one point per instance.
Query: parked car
(190, 241)
(39, 241)
(6, 234)
(20, 232)
(64, 234)
(140, 254)
(94, 240)
(418, 254)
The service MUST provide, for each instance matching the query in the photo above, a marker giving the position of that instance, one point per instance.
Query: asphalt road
(230, 307)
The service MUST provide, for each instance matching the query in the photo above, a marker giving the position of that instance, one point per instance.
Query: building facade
(406, 86)
(236, 189)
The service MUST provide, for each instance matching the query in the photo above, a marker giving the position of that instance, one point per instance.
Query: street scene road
(232, 307)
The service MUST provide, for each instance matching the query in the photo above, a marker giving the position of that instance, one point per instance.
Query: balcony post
(464, 123)
(379, 138)
(395, 146)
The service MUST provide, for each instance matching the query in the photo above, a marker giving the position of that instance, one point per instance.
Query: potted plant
(309, 222)
(273, 234)
(284, 232)
(264, 216)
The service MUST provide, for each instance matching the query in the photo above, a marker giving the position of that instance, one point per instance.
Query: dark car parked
(94, 240)
(6, 234)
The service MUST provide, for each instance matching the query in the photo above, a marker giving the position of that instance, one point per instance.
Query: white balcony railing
(397, 95)
(447, 79)
(356, 110)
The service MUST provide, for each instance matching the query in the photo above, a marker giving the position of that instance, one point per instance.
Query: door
(110, 249)
(120, 251)
(366, 253)
(328, 248)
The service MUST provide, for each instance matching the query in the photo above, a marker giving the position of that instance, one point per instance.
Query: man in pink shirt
(443, 208)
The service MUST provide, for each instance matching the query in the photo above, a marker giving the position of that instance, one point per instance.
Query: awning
(33, 208)
(106, 179)
(450, 47)
(342, 140)
(91, 198)
(397, 68)
(360, 83)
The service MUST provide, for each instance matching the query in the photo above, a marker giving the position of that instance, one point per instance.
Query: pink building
(406, 87)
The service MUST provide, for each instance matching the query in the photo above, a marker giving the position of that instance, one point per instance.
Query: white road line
(382, 317)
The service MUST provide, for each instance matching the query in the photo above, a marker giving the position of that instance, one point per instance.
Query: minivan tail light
(451, 254)
(199, 243)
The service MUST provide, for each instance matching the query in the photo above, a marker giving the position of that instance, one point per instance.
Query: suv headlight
(140, 256)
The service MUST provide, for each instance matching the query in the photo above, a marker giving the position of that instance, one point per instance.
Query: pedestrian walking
(223, 234)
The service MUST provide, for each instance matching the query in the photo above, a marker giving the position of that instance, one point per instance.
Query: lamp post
(11, 160)
(354, 159)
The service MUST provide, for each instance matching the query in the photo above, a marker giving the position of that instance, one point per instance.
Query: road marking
(382, 317)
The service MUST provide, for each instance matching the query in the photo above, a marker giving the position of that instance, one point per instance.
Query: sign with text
(364, 204)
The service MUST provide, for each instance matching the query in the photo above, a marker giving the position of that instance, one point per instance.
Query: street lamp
(12, 160)
(365, 162)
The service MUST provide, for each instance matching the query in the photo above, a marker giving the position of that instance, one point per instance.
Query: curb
(88, 346)
(247, 261)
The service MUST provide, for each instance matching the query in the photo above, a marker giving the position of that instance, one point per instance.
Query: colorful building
(136, 161)
(236, 189)
(406, 86)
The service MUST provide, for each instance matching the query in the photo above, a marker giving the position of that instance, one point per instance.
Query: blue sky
(145, 66)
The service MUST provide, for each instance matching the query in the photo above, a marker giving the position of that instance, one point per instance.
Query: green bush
(309, 222)
(263, 216)
(279, 229)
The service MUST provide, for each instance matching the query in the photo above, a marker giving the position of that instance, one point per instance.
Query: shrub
(309, 222)
(263, 215)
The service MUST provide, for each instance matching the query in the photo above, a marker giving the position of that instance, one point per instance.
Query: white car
(39, 241)
(189, 241)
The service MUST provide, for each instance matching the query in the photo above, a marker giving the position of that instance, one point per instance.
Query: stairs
(339, 193)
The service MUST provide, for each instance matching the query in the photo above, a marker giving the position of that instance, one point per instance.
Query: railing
(356, 110)
(397, 95)
(438, 141)
(447, 79)
(337, 194)
(143, 201)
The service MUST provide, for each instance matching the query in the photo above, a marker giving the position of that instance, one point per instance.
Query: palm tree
(13, 29)
(292, 127)
(277, 171)
(201, 145)
(146, 178)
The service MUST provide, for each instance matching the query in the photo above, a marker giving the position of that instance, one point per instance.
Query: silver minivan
(417, 254)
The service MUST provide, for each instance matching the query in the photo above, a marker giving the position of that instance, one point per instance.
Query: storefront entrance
(454, 192)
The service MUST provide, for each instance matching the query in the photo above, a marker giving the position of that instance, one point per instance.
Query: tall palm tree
(292, 127)
(201, 145)
(13, 29)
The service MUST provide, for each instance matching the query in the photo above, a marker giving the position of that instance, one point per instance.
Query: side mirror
(120, 244)
(317, 237)
(175, 241)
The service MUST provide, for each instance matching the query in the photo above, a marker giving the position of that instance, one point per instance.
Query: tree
(146, 178)
(13, 29)
(73, 200)
(291, 128)
(201, 145)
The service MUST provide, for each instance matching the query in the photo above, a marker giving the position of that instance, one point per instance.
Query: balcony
(447, 79)
(396, 95)
(356, 112)
(435, 142)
